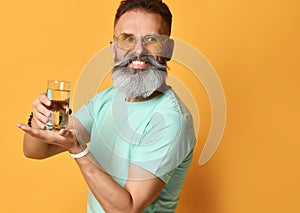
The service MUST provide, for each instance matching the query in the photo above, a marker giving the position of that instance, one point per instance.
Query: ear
(112, 48)
(169, 49)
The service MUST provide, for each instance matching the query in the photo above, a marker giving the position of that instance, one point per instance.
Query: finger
(62, 132)
(33, 132)
(23, 126)
(40, 107)
(39, 124)
(48, 136)
(43, 110)
(65, 132)
(29, 130)
(40, 116)
(44, 99)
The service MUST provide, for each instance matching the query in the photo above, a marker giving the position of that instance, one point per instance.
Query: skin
(141, 23)
(38, 143)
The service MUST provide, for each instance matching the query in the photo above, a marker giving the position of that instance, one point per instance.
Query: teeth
(138, 62)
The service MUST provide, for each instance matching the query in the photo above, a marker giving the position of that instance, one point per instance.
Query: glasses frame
(162, 38)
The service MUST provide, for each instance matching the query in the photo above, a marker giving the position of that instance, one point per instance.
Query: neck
(140, 99)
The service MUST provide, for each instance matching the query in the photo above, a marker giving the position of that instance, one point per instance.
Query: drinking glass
(58, 92)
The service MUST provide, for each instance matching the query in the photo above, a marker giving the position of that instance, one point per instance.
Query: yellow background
(254, 47)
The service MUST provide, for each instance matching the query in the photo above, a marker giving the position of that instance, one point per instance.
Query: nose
(139, 48)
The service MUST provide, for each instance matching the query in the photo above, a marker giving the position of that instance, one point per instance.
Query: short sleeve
(167, 141)
(85, 114)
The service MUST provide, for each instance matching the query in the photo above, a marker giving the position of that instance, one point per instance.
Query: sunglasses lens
(126, 41)
(153, 43)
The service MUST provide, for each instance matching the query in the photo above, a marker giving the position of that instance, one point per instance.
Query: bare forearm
(111, 196)
(33, 147)
(36, 148)
(40, 144)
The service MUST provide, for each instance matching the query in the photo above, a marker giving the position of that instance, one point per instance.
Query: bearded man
(141, 135)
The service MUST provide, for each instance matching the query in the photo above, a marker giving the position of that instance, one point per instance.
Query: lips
(138, 64)
(141, 62)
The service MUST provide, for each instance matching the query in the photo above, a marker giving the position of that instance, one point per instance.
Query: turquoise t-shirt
(156, 135)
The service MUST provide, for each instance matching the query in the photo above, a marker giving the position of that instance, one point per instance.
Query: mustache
(160, 65)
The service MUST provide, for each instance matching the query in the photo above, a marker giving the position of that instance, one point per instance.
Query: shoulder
(171, 104)
(104, 96)
(171, 116)
(107, 93)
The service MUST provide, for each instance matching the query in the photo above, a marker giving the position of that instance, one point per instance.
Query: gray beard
(139, 83)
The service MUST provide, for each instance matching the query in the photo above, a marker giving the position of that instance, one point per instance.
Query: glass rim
(59, 81)
(59, 85)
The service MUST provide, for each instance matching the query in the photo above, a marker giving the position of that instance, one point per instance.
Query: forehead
(140, 23)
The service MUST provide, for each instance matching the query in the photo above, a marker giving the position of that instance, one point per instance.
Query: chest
(117, 131)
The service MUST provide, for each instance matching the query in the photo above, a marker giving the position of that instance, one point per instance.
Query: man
(141, 135)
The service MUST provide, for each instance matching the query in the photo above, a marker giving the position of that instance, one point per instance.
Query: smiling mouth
(138, 64)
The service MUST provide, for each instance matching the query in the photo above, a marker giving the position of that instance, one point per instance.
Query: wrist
(79, 152)
(30, 119)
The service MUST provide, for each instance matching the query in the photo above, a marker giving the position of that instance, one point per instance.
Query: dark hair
(151, 6)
